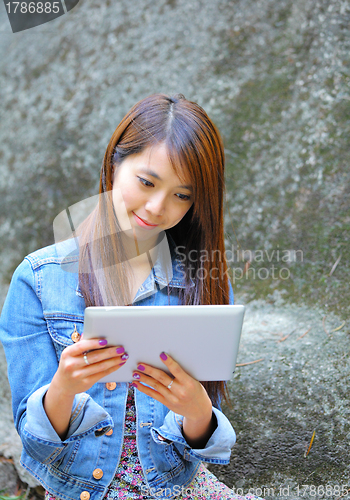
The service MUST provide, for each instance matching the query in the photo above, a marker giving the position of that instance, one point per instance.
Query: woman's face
(148, 196)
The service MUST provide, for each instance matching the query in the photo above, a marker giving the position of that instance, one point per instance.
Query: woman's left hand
(185, 396)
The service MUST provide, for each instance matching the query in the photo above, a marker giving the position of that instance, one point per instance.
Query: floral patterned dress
(129, 482)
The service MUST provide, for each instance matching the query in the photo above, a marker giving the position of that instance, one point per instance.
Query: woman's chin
(141, 235)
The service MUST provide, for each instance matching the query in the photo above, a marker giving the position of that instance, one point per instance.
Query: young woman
(161, 189)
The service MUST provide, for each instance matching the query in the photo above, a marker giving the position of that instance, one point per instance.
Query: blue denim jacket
(42, 310)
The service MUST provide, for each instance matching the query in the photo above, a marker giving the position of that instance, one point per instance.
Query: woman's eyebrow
(156, 176)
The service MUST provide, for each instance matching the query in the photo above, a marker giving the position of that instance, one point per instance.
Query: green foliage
(3, 496)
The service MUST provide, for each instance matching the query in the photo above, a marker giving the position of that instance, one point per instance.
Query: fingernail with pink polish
(133, 385)
(163, 356)
(136, 375)
(125, 356)
(103, 342)
(141, 368)
(120, 350)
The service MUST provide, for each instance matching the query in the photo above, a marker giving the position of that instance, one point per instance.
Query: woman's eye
(184, 197)
(145, 182)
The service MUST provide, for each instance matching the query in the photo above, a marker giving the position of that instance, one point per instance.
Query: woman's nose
(156, 205)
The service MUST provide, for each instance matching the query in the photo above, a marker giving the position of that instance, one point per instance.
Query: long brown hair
(194, 147)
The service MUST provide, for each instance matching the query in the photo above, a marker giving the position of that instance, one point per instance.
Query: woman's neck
(143, 250)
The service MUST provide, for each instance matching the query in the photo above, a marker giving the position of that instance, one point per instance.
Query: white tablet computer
(204, 340)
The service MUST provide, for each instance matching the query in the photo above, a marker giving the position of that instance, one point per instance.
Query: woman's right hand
(75, 375)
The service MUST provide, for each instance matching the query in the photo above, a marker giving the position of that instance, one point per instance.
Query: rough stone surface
(274, 76)
(8, 477)
(299, 385)
(10, 443)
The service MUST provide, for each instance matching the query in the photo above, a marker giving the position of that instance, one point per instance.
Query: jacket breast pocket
(65, 330)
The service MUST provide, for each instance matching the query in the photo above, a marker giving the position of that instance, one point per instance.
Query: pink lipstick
(143, 223)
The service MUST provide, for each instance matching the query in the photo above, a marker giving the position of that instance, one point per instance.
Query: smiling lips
(143, 223)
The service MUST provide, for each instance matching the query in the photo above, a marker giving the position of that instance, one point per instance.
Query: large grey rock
(8, 477)
(300, 385)
(10, 443)
(274, 75)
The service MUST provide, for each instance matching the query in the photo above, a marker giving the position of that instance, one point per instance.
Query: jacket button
(75, 335)
(111, 386)
(109, 433)
(84, 495)
(98, 473)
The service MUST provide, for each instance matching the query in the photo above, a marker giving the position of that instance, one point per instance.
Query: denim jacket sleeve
(217, 448)
(32, 362)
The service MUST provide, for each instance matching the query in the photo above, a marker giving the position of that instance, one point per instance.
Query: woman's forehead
(158, 156)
